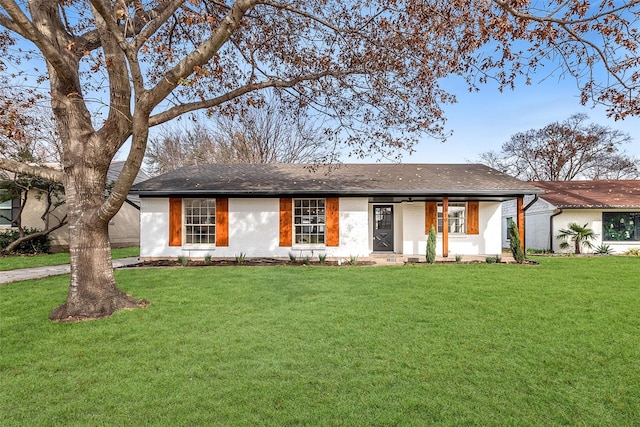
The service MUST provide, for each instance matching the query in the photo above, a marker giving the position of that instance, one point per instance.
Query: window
(5, 211)
(309, 221)
(200, 221)
(621, 226)
(457, 214)
(510, 224)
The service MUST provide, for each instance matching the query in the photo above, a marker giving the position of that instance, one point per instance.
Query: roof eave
(343, 193)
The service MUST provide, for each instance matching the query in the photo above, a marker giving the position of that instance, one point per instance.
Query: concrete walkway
(53, 270)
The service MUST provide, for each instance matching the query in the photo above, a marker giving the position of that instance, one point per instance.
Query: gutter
(556, 212)
(535, 199)
(421, 194)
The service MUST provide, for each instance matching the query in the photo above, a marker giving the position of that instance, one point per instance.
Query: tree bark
(92, 293)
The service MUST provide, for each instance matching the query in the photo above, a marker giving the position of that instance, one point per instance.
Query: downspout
(556, 212)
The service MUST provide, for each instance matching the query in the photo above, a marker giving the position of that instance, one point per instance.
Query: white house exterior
(611, 208)
(350, 211)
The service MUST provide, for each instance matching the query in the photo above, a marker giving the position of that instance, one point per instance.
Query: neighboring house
(610, 208)
(347, 210)
(124, 228)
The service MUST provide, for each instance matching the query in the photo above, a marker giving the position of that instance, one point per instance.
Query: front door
(383, 228)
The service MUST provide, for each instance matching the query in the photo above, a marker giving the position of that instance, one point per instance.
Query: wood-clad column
(520, 220)
(175, 222)
(332, 220)
(445, 227)
(286, 220)
(222, 221)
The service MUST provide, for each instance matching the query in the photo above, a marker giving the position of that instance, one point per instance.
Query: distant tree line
(261, 134)
(564, 151)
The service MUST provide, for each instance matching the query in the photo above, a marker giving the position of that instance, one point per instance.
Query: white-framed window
(309, 221)
(200, 221)
(5, 212)
(457, 218)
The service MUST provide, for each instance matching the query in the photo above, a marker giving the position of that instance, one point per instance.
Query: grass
(554, 344)
(28, 261)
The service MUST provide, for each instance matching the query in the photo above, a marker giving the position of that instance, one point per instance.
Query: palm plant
(578, 234)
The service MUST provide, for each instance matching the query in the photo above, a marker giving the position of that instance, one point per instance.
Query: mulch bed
(255, 262)
(249, 262)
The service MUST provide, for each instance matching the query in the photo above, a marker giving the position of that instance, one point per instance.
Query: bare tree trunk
(93, 293)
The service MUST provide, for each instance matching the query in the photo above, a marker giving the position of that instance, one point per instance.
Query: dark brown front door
(383, 228)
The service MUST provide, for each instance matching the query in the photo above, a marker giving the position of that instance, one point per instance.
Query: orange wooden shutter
(175, 222)
(473, 218)
(286, 217)
(333, 221)
(222, 222)
(430, 216)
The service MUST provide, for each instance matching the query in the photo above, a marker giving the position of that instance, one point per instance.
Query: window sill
(198, 247)
(309, 247)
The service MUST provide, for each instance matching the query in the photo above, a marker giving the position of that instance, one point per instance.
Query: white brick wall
(254, 231)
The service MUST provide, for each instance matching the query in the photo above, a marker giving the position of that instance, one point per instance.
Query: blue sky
(484, 120)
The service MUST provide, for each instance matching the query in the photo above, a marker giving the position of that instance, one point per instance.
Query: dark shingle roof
(591, 194)
(115, 168)
(256, 180)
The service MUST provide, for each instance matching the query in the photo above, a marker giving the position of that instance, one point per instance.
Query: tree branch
(200, 56)
(30, 32)
(178, 110)
(39, 171)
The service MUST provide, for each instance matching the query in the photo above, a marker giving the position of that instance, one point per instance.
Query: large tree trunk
(93, 293)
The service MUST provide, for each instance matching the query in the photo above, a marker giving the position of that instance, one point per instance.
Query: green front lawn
(28, 261)
(555, 344)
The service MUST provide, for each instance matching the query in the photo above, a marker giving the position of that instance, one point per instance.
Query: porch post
(520, 221)
(445, 227)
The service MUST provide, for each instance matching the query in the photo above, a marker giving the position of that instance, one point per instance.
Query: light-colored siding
(536, 222)
(124, 228)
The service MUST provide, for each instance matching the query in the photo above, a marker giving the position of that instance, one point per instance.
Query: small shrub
(431, 245)
(292, 257)
(632, 252)
(353, 260)
(322, 258)
(515, 245)
(207, 258)
(531, 251)
(498, 259)
(490, 260)
(183, 260)
(306, 260)
(240, 258)
(458, 259)
(603, 250)
(37, 245)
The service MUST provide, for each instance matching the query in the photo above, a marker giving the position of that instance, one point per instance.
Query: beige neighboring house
(124, 228)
